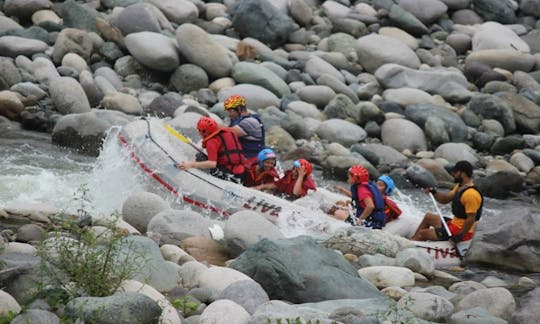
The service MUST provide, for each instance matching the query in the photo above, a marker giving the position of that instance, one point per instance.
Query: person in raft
(296, 182)
(248, 127)
(263, 175)
(467, 203)
(225, 157)
(387, 186)
(367, 200)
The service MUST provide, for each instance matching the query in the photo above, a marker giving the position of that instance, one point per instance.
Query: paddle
(445, 226)
(183, 138)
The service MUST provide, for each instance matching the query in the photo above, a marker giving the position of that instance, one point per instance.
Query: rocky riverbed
(404, 87)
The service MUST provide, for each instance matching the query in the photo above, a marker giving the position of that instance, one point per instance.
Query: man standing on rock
(467, 204)
(248, 127)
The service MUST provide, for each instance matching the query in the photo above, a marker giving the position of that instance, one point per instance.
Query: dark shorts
(442, 235)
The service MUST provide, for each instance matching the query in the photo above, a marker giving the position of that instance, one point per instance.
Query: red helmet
(305, 163)
(235, 102)
(359, 173)
(207, 125)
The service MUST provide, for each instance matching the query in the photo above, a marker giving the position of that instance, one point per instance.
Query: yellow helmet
(235, 102)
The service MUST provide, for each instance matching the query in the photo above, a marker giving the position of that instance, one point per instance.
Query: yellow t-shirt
(471, 200)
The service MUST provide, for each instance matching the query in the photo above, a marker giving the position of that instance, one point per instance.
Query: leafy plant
(7, 317)
(83, 262)
(184, 305)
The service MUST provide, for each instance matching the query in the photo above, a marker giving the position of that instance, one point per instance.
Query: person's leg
(425, 231)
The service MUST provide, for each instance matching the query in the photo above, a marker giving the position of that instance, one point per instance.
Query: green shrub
(184, 305)
(85, 263)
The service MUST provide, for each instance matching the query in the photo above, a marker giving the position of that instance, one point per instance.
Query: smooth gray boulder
(299, 270)
(376, 50)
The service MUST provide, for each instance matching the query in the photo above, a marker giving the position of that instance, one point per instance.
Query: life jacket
(459, 210)
(251, 144)
(391, 210)
(377, 219)
(253, 179)
(230, 156)
(285, 185)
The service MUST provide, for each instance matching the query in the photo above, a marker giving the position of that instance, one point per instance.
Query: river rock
(150, 266)
(318, 95)
(408, 96)
(329, 282)
(526, 113)
(386, 154)
(246, 72)
(403, 134)
(522, 162)
(427, 306)
(177, 11)
(189, 77)
(86, 131)
(8, 304)
(36, 316)
(498, 10)
(162, 55)
(261, 20)
(123, 102)
(499, 302)
(415, 259)
(206, 250)
(124, 308)
(341, 131)
(454, 125)
(224, 310)
(406, 21)
(246, 293)
(176, 225)
(10, 105)
(387, 276)
(169, 315)
(492, 35)
(495, 234)
(473, 316)
(71, 40)
(219, 278)
(426, 11)
(447, 82)
(245, 228)
(316, 66)
(376, 50)
(68, 96)
(507, 59)
(199, 48)
(491, 106)
(12, 46)
(528, 310)
(139, 208)
(454, 152)
(137, 18)
(500, 185)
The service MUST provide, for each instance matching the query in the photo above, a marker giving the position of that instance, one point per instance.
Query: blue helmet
(390, 186)
(265, 155)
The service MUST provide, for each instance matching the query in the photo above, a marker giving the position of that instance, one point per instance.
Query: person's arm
(344, 191)
(368, 210)
(442, 197)
(236, 130)
(297, 190)
(199, 165)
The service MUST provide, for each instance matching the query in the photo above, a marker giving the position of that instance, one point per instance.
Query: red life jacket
(391, 209)
(285, 185)
(253, 179)
(229, 154)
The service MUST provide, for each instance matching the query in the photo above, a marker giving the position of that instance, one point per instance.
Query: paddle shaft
(440, 215)
(184, 139)
(458, 252)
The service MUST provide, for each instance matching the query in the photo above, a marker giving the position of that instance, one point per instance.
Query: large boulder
(68, 96)
(341, 131)
(85, 132)
(507, 239)
(139, 208)
(153, 50)
(454, 125)
(493, 107)
(199, 48)
(526, 112)
(497, 10)
(261, 20)
(247, 72)
(176, 225)
(529, 308)
(492, 35)
(403, 134)
(299, 270)
(376, 50)
(119, 308)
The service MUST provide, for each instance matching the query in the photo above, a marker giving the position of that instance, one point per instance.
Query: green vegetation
(184, 305)
(82, 261)
(7, 318)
